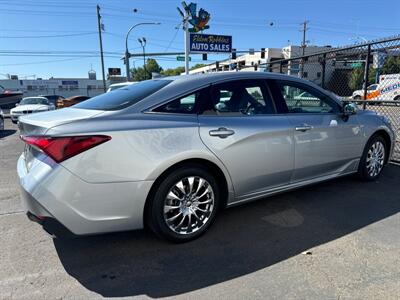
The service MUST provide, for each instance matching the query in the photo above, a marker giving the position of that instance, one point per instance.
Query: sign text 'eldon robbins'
(210, 43)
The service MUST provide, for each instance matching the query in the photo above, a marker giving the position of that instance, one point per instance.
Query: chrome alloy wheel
(375, 158)
(188, 205)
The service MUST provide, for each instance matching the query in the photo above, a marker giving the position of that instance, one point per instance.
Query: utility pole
(186, 36)
(101, 47)
(303, 47)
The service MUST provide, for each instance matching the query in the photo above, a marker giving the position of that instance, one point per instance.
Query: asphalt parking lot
(336, 240)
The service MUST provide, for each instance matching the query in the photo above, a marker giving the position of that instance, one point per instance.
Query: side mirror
(16, 104)
(349, 109)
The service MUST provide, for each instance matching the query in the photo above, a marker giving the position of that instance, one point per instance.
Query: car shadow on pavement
(6, 133)
(243, 240)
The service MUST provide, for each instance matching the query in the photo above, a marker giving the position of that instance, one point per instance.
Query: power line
(46, 36)
(42, 62)
(173, 39)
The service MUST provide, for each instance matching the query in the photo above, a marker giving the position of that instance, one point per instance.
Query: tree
(391, 66)
(173, 72)
(196, 66)
(151, 66)
(356, 79)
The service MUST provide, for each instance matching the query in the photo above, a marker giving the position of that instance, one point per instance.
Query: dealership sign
(210, 43)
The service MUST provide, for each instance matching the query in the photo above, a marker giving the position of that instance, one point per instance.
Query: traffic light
(233, 53)
(204, 56)
(262, 52)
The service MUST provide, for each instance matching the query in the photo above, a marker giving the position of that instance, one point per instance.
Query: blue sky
(59, 38)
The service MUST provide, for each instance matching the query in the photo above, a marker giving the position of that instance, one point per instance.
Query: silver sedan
(170, 153)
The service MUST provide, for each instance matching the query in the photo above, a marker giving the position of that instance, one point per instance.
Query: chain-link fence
(391, 110)
(368, 73)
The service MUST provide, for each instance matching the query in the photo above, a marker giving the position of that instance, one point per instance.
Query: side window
(301, 99)
(184, 105)
(245, 97)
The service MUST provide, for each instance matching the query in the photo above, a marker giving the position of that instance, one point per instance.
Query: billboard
(210, 43)
(114, 71)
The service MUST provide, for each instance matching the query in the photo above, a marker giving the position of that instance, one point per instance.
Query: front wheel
(373, 159)
(184, 205)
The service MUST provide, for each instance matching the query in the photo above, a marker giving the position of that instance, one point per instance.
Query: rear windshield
(123, 97)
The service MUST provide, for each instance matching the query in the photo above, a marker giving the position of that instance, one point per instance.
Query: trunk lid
(39, 124)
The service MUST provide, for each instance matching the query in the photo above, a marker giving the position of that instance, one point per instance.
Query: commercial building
(56, 86)
(254, 62)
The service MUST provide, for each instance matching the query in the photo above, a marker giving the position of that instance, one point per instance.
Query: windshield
(26, 101)
(124, 97)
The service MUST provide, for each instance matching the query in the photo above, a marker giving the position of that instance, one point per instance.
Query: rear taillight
(62, 148)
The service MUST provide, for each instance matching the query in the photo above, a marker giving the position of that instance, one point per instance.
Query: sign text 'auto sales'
(210, 43)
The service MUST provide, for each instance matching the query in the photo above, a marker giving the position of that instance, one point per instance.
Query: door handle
(221, 132)
(304, 127)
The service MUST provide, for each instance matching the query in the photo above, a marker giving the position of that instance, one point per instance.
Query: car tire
(397, 98)
(357, 97)
(373, 159)
(184, 219)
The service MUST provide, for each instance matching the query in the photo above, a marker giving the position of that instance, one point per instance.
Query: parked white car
(388, 88)
(30, 105)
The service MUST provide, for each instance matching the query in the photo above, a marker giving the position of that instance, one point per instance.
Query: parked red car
(61, 103)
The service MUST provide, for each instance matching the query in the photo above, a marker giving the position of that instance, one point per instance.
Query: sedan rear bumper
(53, 194)
(51, 226)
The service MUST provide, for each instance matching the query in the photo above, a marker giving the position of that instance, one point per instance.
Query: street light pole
(142, 42)
(127, 54)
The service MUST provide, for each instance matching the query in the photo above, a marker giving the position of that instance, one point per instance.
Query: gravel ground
(336, 240)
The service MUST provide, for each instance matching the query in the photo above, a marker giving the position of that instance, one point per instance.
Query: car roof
(123, 83)
(35, 97)
(184, 84)
(77, 96)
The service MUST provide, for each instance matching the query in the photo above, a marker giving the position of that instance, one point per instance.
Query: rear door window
(241, 97)
(188, 104)
(124, 97)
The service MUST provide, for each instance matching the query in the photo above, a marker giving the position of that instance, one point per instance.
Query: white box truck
(388, 88)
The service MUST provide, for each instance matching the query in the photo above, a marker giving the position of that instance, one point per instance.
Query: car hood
(22, 108)
(40, 123)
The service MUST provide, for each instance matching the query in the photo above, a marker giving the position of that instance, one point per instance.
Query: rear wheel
(373, 159)
(357, 97)
(397, 98)
(184, 204)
